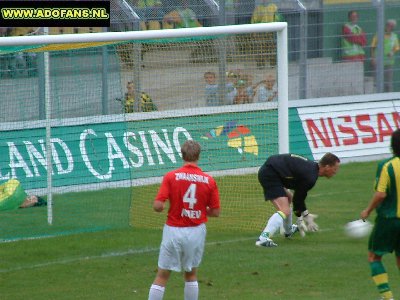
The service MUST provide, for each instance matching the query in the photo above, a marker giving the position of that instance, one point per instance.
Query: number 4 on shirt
(190, 196)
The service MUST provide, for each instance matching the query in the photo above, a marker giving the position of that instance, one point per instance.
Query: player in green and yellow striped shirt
(385, 237)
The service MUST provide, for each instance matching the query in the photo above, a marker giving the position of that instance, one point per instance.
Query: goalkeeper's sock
(287, 224)
(191, 290)
(381, 279)
(156, 292)
(273, 225)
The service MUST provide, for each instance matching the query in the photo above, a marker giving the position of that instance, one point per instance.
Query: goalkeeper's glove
(306, 223)
(309, 221)
(301, 225)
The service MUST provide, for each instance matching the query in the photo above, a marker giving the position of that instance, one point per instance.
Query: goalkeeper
(290, 171)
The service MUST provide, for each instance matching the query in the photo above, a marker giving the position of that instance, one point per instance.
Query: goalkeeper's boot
(293, 230)
(266, 242)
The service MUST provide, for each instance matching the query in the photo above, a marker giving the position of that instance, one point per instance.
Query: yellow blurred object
(264, 14)
(272, 8)
(11, 195)
(8, 188)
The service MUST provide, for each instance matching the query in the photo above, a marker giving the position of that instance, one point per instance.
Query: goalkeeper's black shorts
(271, 183)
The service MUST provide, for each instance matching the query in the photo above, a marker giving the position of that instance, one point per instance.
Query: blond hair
(190, 151)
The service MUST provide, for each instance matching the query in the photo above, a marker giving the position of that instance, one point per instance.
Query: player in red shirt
(193, 196)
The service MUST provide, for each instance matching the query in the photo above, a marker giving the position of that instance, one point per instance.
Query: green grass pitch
(121, 263)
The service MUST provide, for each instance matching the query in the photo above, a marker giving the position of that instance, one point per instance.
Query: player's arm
(375, 201)
(299, 204)
(298, 208)
(213, 209)
(381, 183)
(305, 220)
(158, 205)
(213, 212)
(163, 194)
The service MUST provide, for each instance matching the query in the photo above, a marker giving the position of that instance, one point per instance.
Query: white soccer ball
(358, 229)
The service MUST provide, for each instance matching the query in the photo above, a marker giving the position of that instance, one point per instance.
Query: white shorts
(182, 248)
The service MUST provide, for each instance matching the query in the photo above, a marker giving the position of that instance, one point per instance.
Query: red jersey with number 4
(190, 191)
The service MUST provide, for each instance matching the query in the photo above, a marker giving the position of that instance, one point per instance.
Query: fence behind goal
(110, 151)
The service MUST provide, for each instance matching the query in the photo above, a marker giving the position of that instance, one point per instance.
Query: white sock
(273, 225)
(156, 292)
(191, 290)
(287, 223)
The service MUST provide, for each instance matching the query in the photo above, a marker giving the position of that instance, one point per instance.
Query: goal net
(112, 109)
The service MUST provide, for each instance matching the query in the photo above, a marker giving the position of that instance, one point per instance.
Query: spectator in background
(390, 47)
(248, 78)
(152, 13)
(146, 103)
(211, 90)
(182, 17)
(240, 88)
(264, 44)
(244, 87)
(267, 89)
(231, 92)
(353, 39)
(242, 95)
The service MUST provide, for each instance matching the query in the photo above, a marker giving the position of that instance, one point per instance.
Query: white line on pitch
(107, 255)
(117, 254)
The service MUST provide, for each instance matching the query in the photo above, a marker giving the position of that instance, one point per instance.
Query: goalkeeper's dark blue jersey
(296, 173)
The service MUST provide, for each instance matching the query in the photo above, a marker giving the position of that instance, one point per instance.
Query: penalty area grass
(122, 263)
